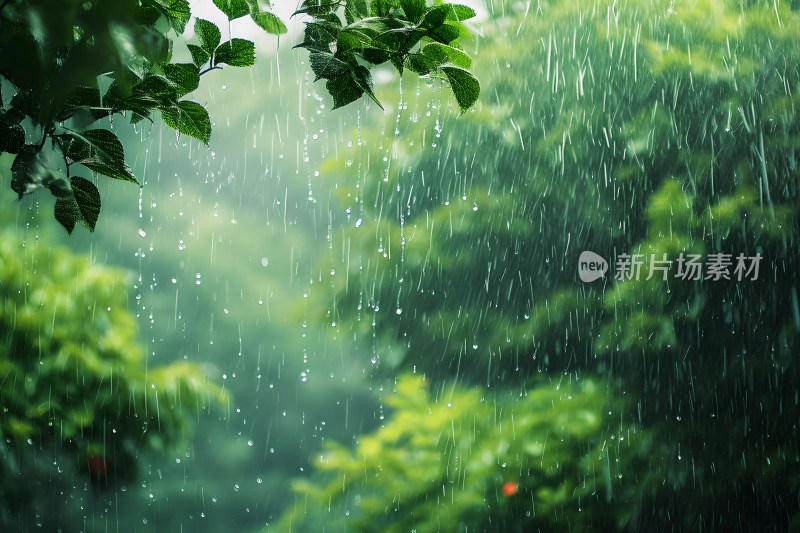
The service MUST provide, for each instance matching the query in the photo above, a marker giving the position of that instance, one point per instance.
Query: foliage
(387, 30)
(461, 461)
(72, 64)
(77, 392)
(674, 135)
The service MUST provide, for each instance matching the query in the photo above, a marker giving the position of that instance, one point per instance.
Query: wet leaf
(189, 118)
(236, 53)
(465, 86)
(208, 34)
(269, 22)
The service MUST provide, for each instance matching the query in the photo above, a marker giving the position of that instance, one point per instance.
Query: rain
(571, 306)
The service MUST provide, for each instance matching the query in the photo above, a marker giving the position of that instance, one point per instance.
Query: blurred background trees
(634, 129)
(392, 297)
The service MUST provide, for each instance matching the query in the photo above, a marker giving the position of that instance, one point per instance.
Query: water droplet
(142, 233)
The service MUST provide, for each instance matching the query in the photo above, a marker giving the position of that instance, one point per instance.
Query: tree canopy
(70, 64)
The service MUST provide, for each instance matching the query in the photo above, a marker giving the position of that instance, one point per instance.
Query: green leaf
(465, 86)
(67, 213)
(376, 56)
(316, 8)
(12, 139)
(29, 173)
(441, 53)
(233, 9)
(21, 170)
(355, 10)
(363, 79)
(268, 22)
(178, 13)
(326, 66)
(185, 76)
(420, 64)
(446, 33)
(199, 54)
(344, 90)
(414, 9)
(99, 150)
(208, 34)
(350, 86)
(460, 13)
(319, 35)
(81, 97)
(347, 41)
(236, 53)
(397, 60)
(434, 17)
(147, 13)
(189, 118)
(88, 199)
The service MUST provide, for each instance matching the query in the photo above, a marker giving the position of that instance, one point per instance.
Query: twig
(209, 69)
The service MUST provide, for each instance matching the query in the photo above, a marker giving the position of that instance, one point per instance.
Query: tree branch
(209, 69)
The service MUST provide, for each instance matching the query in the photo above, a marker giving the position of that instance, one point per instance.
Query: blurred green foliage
(78, 396)
(639, 128)
(458, 460)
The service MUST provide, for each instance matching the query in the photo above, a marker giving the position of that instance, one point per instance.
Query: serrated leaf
(376, 56)
(87, 198)
(189, 118)
(434, 17)
(414, 9)
(319, 35)
(208, 34)
(159, 88)
(326, 66)
(441, 53)
(147, 13)
(347, 41)
(397, 62)
(199, 55)
(99, 150)
(67, 213)
(465, 86)
(236, 53)
(185, 76)
(316, 8)
(12, 139)
(343, 90)
(420, 64)
(80, 97)
(363, 78)
(446, 33)
(269, 22)
(233, 9)
(380, 8)
(460, 13)
(355, 10)
(178, 13)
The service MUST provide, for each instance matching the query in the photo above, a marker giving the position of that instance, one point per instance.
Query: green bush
(79, 397)
(460, 460)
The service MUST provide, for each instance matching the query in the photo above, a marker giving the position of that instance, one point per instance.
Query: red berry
(509, 488)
